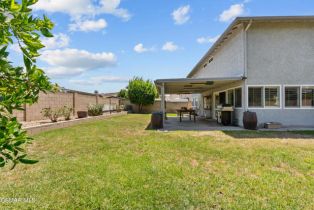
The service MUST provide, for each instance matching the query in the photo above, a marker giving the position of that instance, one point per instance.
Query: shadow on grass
(271, 134)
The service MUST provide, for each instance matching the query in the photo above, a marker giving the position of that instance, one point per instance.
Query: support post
(162, 102)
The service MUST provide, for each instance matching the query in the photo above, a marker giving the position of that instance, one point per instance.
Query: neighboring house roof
(235, 25)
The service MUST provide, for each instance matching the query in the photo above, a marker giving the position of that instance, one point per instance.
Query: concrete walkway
(201, 124)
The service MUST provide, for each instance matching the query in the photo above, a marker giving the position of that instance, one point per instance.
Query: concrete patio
(201, 124)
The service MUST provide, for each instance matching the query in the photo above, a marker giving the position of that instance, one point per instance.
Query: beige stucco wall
(228, 60)
(281, 53)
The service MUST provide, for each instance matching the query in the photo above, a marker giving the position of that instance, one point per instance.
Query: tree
(19, 85)
(123, 93)
(141, 92)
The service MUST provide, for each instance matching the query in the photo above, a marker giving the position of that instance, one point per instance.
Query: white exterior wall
(228, 59)
(228, 62)
(282, 54)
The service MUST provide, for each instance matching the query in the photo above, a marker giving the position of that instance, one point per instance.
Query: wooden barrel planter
(81, 114)
(156, 120)
(250, 120)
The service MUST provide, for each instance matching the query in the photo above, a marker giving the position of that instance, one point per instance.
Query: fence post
(97, 98)
(74, 103)
(24, 113)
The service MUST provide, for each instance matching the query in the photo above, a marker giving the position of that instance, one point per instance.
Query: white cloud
(93, 81)
(206, 40)
(181, 15)
(61, 72)
(79, 8)
(231, 13)
(70, 62)
(88, 25)
(170, 46)
(57, 41)
(139, 48)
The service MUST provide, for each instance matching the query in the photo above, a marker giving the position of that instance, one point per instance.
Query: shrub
(95, 109)
(52, 114)
(123, 93)
(142, 92)
(66, 112)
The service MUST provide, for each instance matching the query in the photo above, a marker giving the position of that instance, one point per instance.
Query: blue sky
(101, 44)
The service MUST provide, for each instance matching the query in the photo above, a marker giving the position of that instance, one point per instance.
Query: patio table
(189, 111)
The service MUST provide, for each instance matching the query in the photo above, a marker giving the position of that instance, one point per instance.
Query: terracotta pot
(81, 114)
(250, 120)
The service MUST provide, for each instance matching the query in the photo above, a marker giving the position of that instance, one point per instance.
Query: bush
(142, 92)
(66, 112)
(123, 93)
(52, 114)
(95, 109)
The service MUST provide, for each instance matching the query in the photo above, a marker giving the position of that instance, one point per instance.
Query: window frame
(300, 96)
(226, 92)
(280, 98)
(301, 92)
(234, 93)
(263, 96)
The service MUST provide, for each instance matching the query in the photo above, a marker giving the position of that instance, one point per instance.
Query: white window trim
(263, 97)
(301, 107)
(241, 97)
(226, 92)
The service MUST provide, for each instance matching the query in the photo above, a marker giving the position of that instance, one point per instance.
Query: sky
(101, 44)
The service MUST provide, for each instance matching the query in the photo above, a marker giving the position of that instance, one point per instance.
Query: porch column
(162, 102)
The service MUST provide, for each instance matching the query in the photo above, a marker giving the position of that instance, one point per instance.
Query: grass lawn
(117, 164)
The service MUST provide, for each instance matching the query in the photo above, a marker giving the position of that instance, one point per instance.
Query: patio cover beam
(193, 85)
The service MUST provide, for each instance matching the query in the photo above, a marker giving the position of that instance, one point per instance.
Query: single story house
(260, 64)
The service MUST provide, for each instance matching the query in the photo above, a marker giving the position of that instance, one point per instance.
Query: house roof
(235, 25)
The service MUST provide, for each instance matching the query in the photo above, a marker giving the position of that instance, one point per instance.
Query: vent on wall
(210, 60)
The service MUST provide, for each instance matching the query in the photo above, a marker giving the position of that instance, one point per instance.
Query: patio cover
(192, 85)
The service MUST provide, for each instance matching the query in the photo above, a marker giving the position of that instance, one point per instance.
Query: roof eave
(239, 20)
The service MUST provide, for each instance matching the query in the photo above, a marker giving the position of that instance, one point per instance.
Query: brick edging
(63, 124)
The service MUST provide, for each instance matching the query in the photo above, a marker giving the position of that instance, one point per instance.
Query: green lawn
(117, 164)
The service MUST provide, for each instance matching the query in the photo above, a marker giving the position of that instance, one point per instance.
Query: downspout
(245, 64)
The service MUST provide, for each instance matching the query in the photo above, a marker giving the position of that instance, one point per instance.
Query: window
(255, 97)
(308, 96)
(238, 97)
(230, 97)
(272, 97)
(292, 97)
